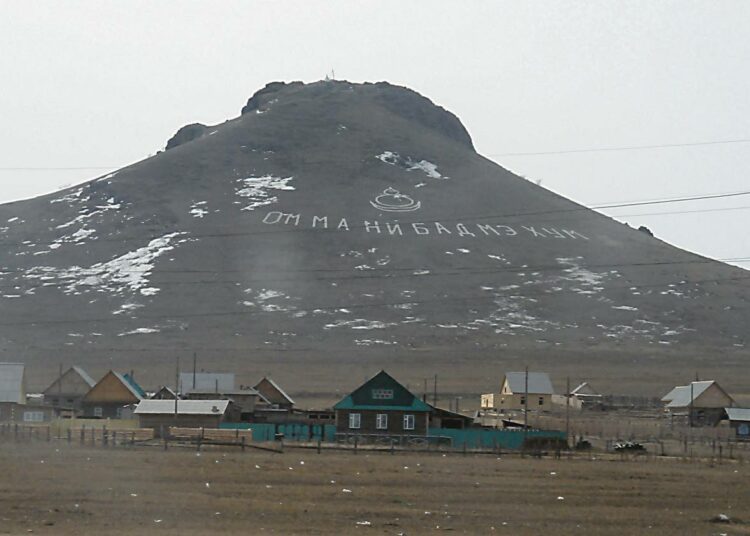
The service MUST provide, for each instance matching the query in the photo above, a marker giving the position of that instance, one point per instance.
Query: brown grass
(58, 489)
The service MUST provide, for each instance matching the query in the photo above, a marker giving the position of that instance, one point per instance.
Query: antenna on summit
(330, 77)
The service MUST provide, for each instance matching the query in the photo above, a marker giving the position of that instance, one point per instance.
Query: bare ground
(49, 488)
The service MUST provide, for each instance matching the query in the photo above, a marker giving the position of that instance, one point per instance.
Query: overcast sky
(101, 84)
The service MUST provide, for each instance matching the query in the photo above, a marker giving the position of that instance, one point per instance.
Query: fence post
(243, 443)
(69, 434)
(318, 445)
(132, 439)
(114, 438)
(83, 433)
(105, 437)
(49, 434)
(356, 441)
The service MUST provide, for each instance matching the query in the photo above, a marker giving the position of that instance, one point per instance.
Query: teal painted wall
(475, 438)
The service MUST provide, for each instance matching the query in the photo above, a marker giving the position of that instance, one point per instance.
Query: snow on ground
(260, 298)
(128, 272)
(359, 323)
(257, 190)
(587, 282)
(139, 331)
(198, 209)
(373, 342)
(87, 212)
(410, 164)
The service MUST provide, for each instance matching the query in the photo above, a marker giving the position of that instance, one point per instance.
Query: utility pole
(690, 407)
(177, 386)
(434, 392)
(567, 411)
(525, 404)
(195, 366)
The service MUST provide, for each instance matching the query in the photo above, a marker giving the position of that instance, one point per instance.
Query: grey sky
(91, 84)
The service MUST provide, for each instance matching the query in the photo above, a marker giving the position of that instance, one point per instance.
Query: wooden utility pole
(434, 392)
(567, 411)
(176, 387)
(525, 404)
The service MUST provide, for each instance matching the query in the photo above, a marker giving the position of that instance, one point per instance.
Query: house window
(409, 422)
(98, 411)
(119, 413)
(33, 416)
(355, 421)
(541, 400)
(381, 421)
(523, 400)
(382, 394)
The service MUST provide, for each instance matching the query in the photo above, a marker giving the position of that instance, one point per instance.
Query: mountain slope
(339, 225)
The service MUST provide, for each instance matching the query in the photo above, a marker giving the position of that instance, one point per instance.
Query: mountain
(336, 228)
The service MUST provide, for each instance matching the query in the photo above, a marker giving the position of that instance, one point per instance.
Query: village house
(216, 382)
(700, 403)
(382, 407)
(110, 395)
(274, 394)
(68, 390)
(164, 393)
(739, 421)
(161, 414)
(245, 400)
(514, 389)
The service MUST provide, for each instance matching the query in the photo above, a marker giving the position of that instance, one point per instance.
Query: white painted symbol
(392, 200)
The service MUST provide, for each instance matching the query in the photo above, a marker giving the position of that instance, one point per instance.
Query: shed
(110, 394)
(739, 421)
(245, 400)
(161, 414)
(68, 389)
(26, 413)
(382, 407)
(13, 383)
(274, 394)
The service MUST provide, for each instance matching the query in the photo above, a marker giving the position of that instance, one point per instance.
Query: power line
(623, 148)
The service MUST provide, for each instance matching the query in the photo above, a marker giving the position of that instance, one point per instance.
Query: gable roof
(77, 371)
(206, 381)
(382, 392)
(276, 387)
(12, 383)
(539, 383)
(584, 389)
(164, 393)
(682, 393)
(738, 414)
(184, 407)
(671, 394)
(124, 379)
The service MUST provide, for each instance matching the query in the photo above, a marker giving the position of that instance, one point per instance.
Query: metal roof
(670, 395)
(184, 407)
(128, 382)
(738, 414)
(84, 375)
(682, 393)
(539, 383)
(584, 390)
(206, 381)
(12, 388)
(277, 387)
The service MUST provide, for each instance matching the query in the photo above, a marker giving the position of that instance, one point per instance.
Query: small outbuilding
(161, 414)
(382, 407)
(739, 421)
(110, 395)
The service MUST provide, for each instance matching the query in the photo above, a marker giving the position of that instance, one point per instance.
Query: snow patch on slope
(258, 190)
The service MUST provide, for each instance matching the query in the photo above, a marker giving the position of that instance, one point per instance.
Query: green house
(382, 406)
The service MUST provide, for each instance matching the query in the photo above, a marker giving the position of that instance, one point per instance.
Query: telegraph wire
(624, 148)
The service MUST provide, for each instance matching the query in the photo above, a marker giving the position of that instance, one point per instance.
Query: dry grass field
(53, 488)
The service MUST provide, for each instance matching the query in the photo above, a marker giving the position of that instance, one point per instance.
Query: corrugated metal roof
(206, 381)
(670, 395)
(184, 407)
(539, 383)
(681, 394)
(82, 373)
(12, 387)
(738, 414)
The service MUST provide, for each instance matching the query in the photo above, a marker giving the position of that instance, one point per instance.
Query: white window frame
(355, 421)
(381, 421)
(98, 411)
(33, 416)
(410, 421)
(382, 394)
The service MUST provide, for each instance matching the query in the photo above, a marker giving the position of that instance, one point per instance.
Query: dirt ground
(51, 488)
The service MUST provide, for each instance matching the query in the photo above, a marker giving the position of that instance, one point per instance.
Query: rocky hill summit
(334, 226)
